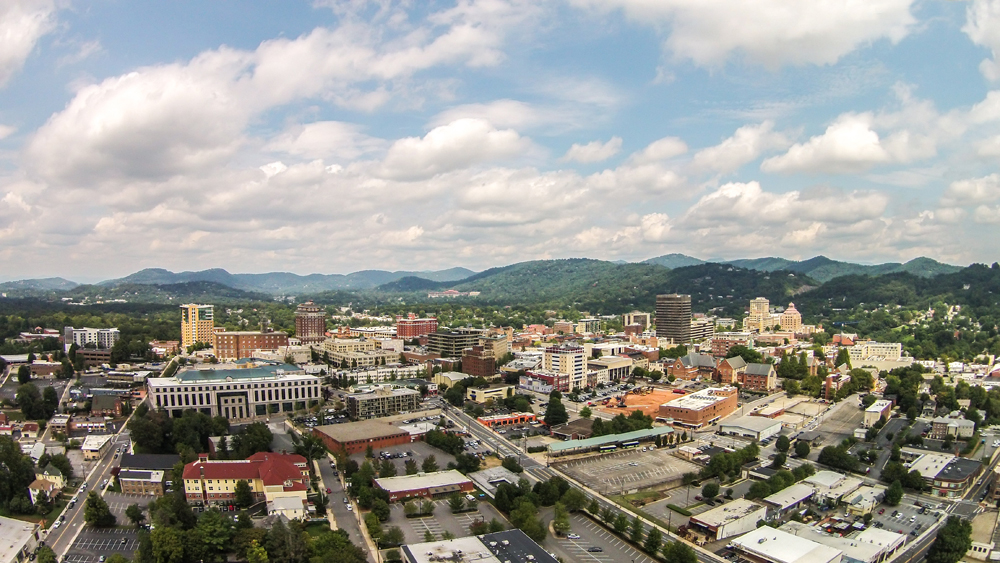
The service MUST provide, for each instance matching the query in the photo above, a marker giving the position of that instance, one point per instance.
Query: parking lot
(907, 520)
(118, 502)
(614, 549)
(92, 543)
(839, 422)
(420, 451)
(443, 520)
(627, 470)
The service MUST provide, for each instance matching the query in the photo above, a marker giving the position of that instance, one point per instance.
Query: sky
(337, 135)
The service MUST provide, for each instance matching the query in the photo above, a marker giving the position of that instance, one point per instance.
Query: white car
(573, 536)
(350, 508)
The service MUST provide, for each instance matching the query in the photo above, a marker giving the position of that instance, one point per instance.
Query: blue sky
(337, 136)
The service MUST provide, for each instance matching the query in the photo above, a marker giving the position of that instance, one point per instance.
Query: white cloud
(594, 151)
(850, 144)
(325, 139)
(662, 149)
(450, 147)
(746, 144)
(6, 131)
(982, 25)
(770, 32)
(84, 51)
(973, 191)
(22, 24)
(986, 214)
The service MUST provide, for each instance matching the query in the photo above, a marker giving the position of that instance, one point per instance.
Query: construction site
(646, 399)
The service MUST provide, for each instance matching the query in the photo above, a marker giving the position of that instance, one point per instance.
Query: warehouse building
(425, 485)
(731, 519)
(498, 547)
(753, 427)
(355, 437)
(768, 545)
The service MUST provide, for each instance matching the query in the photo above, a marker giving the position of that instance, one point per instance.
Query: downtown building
(310, 323)
(673, 317)
(383, 401)
(242, 392)
(197, 324)
(412, 327)
(237, 345)
(103, 338)
(269, 475)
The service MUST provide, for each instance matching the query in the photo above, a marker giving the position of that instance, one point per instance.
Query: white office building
(247, 391)
(103, 338)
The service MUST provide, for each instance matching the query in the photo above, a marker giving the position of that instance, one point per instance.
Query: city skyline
(335, 137)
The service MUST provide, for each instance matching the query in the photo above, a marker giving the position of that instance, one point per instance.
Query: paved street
(345, 520)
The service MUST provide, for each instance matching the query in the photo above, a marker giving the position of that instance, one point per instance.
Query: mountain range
(819, 268)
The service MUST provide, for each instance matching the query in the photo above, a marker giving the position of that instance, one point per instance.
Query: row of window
(189, 400)
(240, 386)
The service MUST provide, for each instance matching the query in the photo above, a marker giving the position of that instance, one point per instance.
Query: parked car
(595, 549)
(573, 536)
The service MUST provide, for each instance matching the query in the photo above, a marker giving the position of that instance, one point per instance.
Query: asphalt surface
(344, 519)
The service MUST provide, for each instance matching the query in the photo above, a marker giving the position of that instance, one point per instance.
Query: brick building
(241, 344)
(411, 327)
(269, 475)
(106, 405)
(355, 437)
(729, 370)
(477, 361)
(759, 377)
(692, 367)
(702, 408)
(93, 357)
(426, 485)
(310, 323)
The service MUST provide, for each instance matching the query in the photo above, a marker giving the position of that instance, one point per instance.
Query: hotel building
(197, 322)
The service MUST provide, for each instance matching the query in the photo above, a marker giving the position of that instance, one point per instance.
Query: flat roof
(94, 442)
(879, 406)
(260, 371)
(470, 547)
(422, 480)
(930, 464)
(14, 534)
(865, 552)
(700, 399)
(782, 547)
(790, 495)
(729, 512)
(609, 439)
(361, 430)
(960, 469)
(752, 423)
(825, 478)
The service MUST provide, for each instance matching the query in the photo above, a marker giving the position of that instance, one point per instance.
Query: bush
(679, 510)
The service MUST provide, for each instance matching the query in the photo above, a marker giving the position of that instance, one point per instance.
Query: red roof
(271, 468)
(30, 426)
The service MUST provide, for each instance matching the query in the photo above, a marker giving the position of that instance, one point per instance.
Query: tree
(621, 523)
(802, 449)
(456, 502)
(410, 509)
(216, 533)
(525, 518)
(380, 509)
(244, 497)
(411, 466)
(393, 536)
(387, 469)
(44, 554)
(783, 444)
(30, 401)
(779, 461)
(96, 512)
(134, 514)
(574, 500)
(510, 463)
(585, 412)
(369, 452)
(654, 539)
(678, 552)
(894, 494)
(560, 522)
(636, 531)
(428, 536)
(255, 553)
(427, 508)
(952, 542)
(710, 490)
(749, 356)
(24, 376)
(555, 413)
(430, 464)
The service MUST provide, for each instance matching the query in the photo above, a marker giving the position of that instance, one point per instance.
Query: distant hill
(284, 283)
(41, 284)
(674, 261)
(608, 287)
(179, 293)
(823, 269)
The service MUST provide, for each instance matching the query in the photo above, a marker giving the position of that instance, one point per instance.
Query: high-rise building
(411, 327)
(673, 317)
(478, 361)
(636, 317)
(791, 319)
(450, 344)
(197, 322)
(97, 337)
(760, 317)
(567, 359)
(310, 323)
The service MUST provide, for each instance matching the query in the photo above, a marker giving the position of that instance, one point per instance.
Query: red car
(881, 511)
(328, 491)
(697, 497)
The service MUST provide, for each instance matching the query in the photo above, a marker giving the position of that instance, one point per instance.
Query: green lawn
(316, 529)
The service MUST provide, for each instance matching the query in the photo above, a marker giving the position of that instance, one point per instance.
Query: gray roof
(736, 362)
(759, 369)
(609, 439)
(699, 360)
(149, 461)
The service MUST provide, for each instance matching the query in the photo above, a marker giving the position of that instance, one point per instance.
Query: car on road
(697, 497)
(329, 490)
(634, 463)
(350, 508)
(595, 549)
(573, 536)
(56, 524)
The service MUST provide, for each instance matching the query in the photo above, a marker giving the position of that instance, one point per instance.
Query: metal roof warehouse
(571, 446)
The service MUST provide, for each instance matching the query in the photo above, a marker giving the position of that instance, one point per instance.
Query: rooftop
(879, 406)
(729, 512)
(791, 495)
(260, 370)
(759, 369)
(609, 439)
(702, 399)
(361, 430)
(149, 461)
(14, 534)
(782, 547)
(422, 480)
(510, 545)
(753, 423)
(95, 442)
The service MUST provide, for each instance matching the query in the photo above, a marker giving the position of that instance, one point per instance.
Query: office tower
(673, 317)
(197, 322)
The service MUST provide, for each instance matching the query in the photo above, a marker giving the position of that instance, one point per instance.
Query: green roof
(609, 439)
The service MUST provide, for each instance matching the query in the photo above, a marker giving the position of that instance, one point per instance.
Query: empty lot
(627, 470)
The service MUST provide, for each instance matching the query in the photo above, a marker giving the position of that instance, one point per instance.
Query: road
(62, 538)
(346, 520)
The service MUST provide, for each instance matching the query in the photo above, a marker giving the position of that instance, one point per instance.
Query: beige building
(497, 345)
(791, 319)
(497, 393)
(197, 322)
(568, 360)
(636, 318)
(383, 401)
(94, 447)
